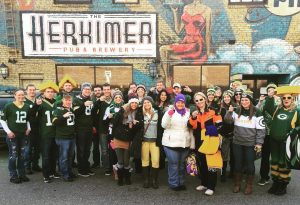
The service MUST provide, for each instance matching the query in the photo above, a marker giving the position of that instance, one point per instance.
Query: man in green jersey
(15, 123)
(83, 106)
(64, 122)
(33, 150)
(45, 107)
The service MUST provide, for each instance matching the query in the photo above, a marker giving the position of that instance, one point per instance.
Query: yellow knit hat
(49, 84)
(66, 79)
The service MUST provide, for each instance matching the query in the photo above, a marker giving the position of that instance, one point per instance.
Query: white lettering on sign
(89, 35)
(283, 7)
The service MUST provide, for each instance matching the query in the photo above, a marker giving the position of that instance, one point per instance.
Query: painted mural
(263, 39)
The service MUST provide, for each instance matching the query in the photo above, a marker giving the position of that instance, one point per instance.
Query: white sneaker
(209, 192)
(201, 188)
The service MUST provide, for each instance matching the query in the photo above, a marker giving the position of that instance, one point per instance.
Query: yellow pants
(150, 149)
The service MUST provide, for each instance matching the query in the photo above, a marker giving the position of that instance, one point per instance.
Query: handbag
(191, 165)
(292, 150)
(148, 125)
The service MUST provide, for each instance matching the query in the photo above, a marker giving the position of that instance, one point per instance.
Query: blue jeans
(16, 155)
(66, 151)
(176, 166)
(244, 157)
(104, 151)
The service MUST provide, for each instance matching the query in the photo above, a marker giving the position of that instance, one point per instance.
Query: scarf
(180, 111)
(113, 105)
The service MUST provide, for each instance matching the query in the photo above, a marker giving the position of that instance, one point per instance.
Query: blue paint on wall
(264, 24)
(107, 6)
(140, 77)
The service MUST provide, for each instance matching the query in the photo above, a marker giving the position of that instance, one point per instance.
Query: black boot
(138, 166)
(120, 173)
(146, 177)
(273, 188)
(154, 173)
(281, 190)
(127, 176)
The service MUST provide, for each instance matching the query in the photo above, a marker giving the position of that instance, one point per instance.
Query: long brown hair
(252, 110)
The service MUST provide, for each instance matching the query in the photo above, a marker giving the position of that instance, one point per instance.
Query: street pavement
(100, 189)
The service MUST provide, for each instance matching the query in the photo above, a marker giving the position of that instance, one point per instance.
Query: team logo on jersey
(261, 122)
(282, 116)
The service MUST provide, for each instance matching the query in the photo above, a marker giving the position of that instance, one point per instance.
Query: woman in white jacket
(177, 140)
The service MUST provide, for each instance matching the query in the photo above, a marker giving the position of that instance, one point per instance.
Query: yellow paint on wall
(242, 30)
(293, 35)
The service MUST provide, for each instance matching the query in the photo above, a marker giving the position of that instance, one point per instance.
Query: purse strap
(148, 125)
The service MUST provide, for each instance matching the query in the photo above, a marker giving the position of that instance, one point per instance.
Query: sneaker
(55, 176)
(209, 192)
(68, 179)
(24, 178)
(95, 166)
(107, 173)
(263, 182)
(37, 168)
(47, 180)
(83, 174)
(15, 180)
(91, 173)
(201, 188)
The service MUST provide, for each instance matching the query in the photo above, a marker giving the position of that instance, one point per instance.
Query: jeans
(16, 155)
(265, 159)
(84, 144)
(96, 150)
(66, 151)
(49, 156)
(32, 151)
(123, 156)
(244, 157)
(176, 166)
(104, 151)
(208, 178)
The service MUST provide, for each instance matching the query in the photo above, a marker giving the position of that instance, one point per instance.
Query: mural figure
(195, 46)
(25, 4)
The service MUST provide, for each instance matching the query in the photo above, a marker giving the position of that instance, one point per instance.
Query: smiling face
(140, 92)
(31, 91)
(200, 102)
(180, 105)
(97, 92)
(68, 87)
(287, 100)
(20, 96)
(87, 91)
(67, 102)
(245, 102)
(49, 93)
(227, 99)
(163, 96)
(133, 105)
(210, 97)
(159, 86)
(176, 90)
(106, 91)
(271, 92)
(147, 105)
(237, 96)
(118, 99)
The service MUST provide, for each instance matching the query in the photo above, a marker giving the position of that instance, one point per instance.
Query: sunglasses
(200, 100)
(287, 98)
(236, 94)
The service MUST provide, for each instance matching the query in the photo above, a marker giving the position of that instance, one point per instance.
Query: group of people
(221, 128)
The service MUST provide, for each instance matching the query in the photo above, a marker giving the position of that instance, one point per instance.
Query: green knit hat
(248, 94)
(271, 85)
(228, 92)
(210, 91)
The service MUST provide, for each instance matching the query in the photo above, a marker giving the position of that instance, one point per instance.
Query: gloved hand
(293, 132)
(171, 112)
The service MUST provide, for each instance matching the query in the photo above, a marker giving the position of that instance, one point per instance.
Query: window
(126, 1)
(243, 2)
(72, 1)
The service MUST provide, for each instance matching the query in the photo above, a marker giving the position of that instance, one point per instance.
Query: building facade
(199, 43)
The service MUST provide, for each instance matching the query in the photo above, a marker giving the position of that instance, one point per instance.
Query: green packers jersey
(64, 127)
(16, 117)
(84, 118)
(32, 118)
(45, 113)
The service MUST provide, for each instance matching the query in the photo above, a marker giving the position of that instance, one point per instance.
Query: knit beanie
(271, 85)
(133, 98)
(248, 94)
(228, 92)
(118, 92)
(200, 94)
(150, 99)
(211, 91)
(180, 97)
(86, 85)
(141, 86)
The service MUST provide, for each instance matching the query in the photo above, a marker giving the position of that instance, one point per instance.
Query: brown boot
(249, 182)
(237, 182)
